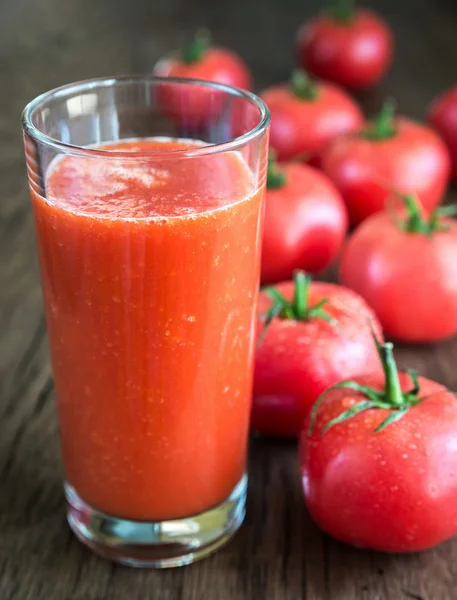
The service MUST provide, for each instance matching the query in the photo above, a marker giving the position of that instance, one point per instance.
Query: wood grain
(279, 554)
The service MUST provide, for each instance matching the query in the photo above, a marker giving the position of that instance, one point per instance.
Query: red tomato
(443, 116)
(300, 353)
(203, 62)
(306, 116)
(392, 152)
(305, 222)
(391, 490)
(350, 47)
(407, 273)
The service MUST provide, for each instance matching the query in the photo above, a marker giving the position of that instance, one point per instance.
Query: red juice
(150, 274)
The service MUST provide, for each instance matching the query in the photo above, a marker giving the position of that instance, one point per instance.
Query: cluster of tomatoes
(378, 448)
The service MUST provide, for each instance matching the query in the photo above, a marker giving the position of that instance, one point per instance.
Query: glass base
(156, 544)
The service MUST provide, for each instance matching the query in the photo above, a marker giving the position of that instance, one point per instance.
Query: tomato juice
(150, 271)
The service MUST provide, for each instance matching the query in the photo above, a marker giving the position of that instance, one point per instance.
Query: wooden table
(279, 554)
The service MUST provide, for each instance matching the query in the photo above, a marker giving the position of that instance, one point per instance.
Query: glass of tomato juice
(147, 196)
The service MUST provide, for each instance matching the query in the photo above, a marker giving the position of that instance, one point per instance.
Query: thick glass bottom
(156, 544)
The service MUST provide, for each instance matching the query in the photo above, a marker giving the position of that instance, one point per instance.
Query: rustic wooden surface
(279, 554)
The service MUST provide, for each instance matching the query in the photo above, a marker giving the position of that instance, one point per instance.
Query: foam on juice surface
(152, 185)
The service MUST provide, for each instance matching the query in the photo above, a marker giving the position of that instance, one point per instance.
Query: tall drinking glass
(148, 195)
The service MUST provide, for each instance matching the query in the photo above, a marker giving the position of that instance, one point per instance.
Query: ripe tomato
(306, 116)
(202, 61)
(393, 152)
(407, 272)
(305, 221)
(310, 335)
(443, 116)
(378, 461)
(352, 47)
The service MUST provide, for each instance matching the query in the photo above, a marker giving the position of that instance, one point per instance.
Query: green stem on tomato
(436, 222)
(392, 390)
(343, 11)
(382, 126)
(302, 86)
(197, 47)
(391, 398)
(276, 177)
(301, 295)
(298, 309)
(416, 222)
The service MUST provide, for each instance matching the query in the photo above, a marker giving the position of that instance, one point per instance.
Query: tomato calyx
(197, 47)
(391, 398)
(276, 177)
(343, 11)
(302, 86)
(416, 222)
(297, 310)
(382, 126)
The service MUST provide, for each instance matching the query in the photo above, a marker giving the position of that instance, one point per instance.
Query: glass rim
(90, 84)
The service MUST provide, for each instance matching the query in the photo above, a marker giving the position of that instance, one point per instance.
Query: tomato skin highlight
(391, 491)
(356, 53)
(442, 115)
(302, 127)
(297, 360)
(409, 279)
(305, 224)
(413, 161)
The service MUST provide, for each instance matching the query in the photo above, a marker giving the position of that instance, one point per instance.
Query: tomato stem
(302, 85)
(343, 11)
(197, 47)
(302, 283)
(392, 390)
(436, 223)
(382, 126)
(297, 310)
(391, 398)
(416, 222)
(276, 177)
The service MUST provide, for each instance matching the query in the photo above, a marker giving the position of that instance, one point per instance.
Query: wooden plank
(279, 554)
